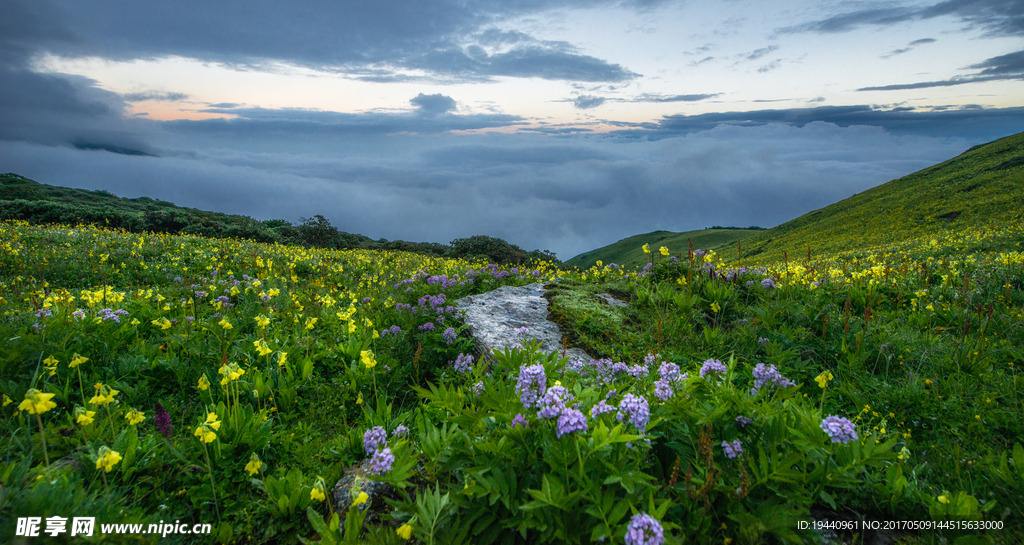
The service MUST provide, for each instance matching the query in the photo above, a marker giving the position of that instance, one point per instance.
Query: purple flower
(839, 429)
(162, 420)
(638, 371)
(635, 408)
(743, 421)
(531, 383)
(374, 439)
(519, 420)
(669, 372)
(553, 402)
(571, 420)
(663, 389)
(79, 314)
(650, 359)
(449, 335)
(463, 363)
(478, 389)
(712, 365)
(644, 530)
(44, 312)
(400, 431)
(427, 327)
(600, 408)
(733, 449)
(381, 461)
(521, 332)
(762, 340)
(768, 283)
(769, 375)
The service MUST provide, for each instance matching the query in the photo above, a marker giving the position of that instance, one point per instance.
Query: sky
(561, 125)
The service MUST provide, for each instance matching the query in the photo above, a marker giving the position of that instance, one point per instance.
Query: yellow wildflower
(51, 361)
(943, 499)
(77, 360)
(367, 358)
(107, 459)
(262, 321)
(317, 493)
(823, 378)
(663, 251)
(404, 531)
(225, 324)
(84, 417)
(36, 402)
(261, 347)
(204, 382)
(162, 322)
(254, 465)
(715, 307)
(646, 249)
(104, 395)
(7, 400)
(282, 357)
(134, 416)
(361, 498)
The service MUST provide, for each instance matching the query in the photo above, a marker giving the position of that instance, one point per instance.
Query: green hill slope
(983, 187)
(627, 252)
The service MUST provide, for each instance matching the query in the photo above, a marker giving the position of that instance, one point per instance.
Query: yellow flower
(715, 307)
(211, 421)
(84, 417)
(681, 281)
(599, 265)
(77, 360)
(225, 324)
(943, 499)
(310, 322)
(404, 531)
(823, 378)
(282, 357)
(107, 459)
(261, 347)
(7, 400)
(367, 358)
(359, 400)
(361, 498)
(262, 321)
(206, 431)
(646, 249)
(134, 416)
(927, 382)
(231, 372)
(663, 251)
(254, 465)
(104, 395)
(204, 382)
(51, 361)
(36, 402)
(162, 322)
(317, 493)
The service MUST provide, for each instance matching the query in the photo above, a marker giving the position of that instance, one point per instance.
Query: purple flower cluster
(44, 312)
(400, 431)
(635, 408)
(570, 421)
(644, 530)
(374, 438)
(669, 373)
(732, 450)
(531, 383)
(162, 420)
(112, 315)
(768, 374)
(463, 363)
(393, 330)
(519, 420)
(79, 314)
(553, 402)
(449, 335)
(427, 327)
(600, 408)
(381, 461)
(712, 366)
(839, 429)
(743, 421)
(768, 283)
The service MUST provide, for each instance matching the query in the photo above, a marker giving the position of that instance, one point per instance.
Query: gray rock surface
(494, 317)
(608, 298)
(355, 480)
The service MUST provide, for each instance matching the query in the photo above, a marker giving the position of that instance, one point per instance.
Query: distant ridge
(628, 253)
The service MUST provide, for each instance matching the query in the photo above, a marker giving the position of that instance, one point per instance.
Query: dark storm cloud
(992, 17)
(1003, 67)
(585, 102)
(433, 104)
(153, 95)
(382, 38)
(674, 98)
(965, 123)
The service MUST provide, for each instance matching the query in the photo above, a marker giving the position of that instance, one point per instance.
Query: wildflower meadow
(150, 378)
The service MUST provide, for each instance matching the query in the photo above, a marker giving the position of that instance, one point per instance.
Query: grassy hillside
(983, 187)
(627, 252)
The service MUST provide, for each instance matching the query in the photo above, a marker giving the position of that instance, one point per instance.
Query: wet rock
(494, 318)
(356, 479)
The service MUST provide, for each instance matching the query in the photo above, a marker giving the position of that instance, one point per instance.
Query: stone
(355, 480)
(611, 300)
(494, 317)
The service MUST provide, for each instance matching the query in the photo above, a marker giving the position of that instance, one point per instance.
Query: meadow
(155, 377)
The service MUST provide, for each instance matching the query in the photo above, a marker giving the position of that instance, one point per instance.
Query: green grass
(627, 252)
(980, 188)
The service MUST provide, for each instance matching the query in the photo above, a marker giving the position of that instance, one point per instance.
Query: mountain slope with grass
(627, 252)
(983, 187)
